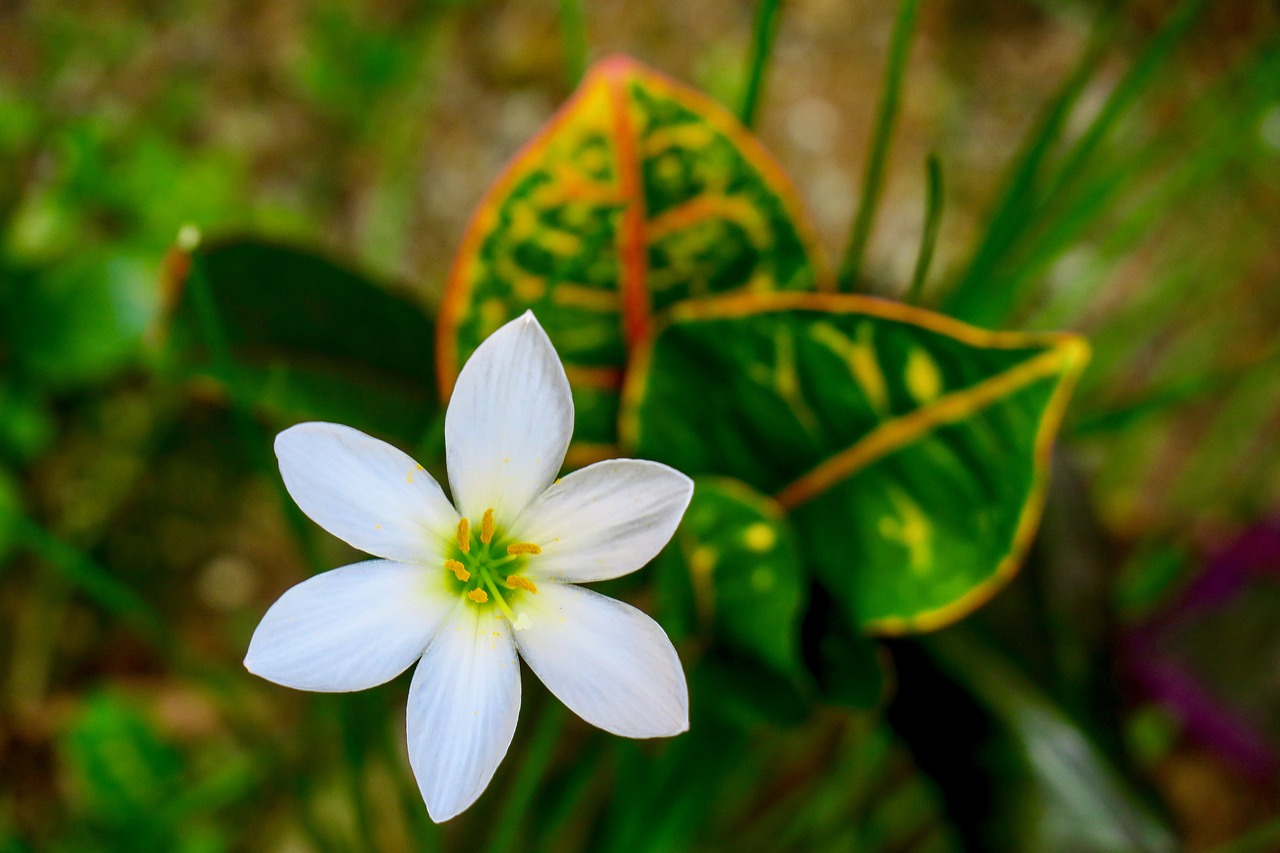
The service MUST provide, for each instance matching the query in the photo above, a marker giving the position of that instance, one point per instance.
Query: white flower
(453, 583)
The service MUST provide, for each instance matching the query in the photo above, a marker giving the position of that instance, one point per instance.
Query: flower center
(488, 567)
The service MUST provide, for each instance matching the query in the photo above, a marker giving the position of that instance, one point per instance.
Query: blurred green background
(1112, 169)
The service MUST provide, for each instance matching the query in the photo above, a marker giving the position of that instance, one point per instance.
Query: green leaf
(638, 194)
(910, 450)
(306, 337)
(737, 555)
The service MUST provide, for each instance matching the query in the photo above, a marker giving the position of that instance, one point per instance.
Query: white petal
(604, 520)
(611, 664)
(463, 705)
(350, 628)
(364, 491)
(509, 422)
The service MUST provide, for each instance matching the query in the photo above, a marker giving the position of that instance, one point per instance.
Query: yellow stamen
(479, 596)
(522, 582)
(517, 548)
(464, 535)
(486, 526)
(458, 569)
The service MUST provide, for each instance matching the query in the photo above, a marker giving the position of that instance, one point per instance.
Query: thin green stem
(250, 437)
(763, 31)
(929, 238)
(873, 175)
(1133, 84)
(573, 37)
(354, 752)
(969, 296)
(533, 766)
(95, 581)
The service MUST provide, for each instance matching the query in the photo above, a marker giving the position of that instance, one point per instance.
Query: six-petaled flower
(464, 587)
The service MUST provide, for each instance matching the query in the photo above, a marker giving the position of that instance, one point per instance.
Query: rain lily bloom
(461, 588)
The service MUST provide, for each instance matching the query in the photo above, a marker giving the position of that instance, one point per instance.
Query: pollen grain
(486, 526)
(464, 535)
(518, 548)
(479, 596)
(522, 582)
(458, 569)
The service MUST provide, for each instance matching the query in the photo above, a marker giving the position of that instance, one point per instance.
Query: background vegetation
(1105, 168)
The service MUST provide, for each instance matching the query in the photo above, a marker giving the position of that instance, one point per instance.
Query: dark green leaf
(306, 338)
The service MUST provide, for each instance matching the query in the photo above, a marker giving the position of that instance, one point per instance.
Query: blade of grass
(873, 174)
(425, 833)
(95, 581)
(533, 767)
(573, 39)
(1016, 198)
(576, 793)
(248, 433)
(1130, 87)
(983, 296)
(252, 440)
(763, 30)
(1188, 155)
(352, 726)
(929, 237)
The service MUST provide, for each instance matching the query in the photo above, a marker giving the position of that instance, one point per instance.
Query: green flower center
(488, 566)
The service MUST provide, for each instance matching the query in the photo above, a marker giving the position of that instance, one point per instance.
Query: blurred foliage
(305, 157)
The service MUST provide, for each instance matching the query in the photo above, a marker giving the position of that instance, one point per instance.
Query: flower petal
(463, 705)
(611, 664)
(509, 421)
(604, 520)
(350, 628)
(365, 492)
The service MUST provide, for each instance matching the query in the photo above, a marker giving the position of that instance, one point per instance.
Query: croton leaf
(736, 557)
(639, 193)
(910, 450)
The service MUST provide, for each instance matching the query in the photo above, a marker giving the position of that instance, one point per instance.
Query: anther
(458, 569)
(517, 548)
(486, 526)
(464, 535)
(522, 582)
(479, 596)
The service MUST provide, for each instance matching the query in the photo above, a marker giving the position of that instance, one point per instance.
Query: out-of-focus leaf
(910, 450)
(80, 321)
(638, 194)
(306, 338)
(133, 790)
(847, 665)
(26, 425)
(737, 553)
(1017, 772)
(120, 768)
